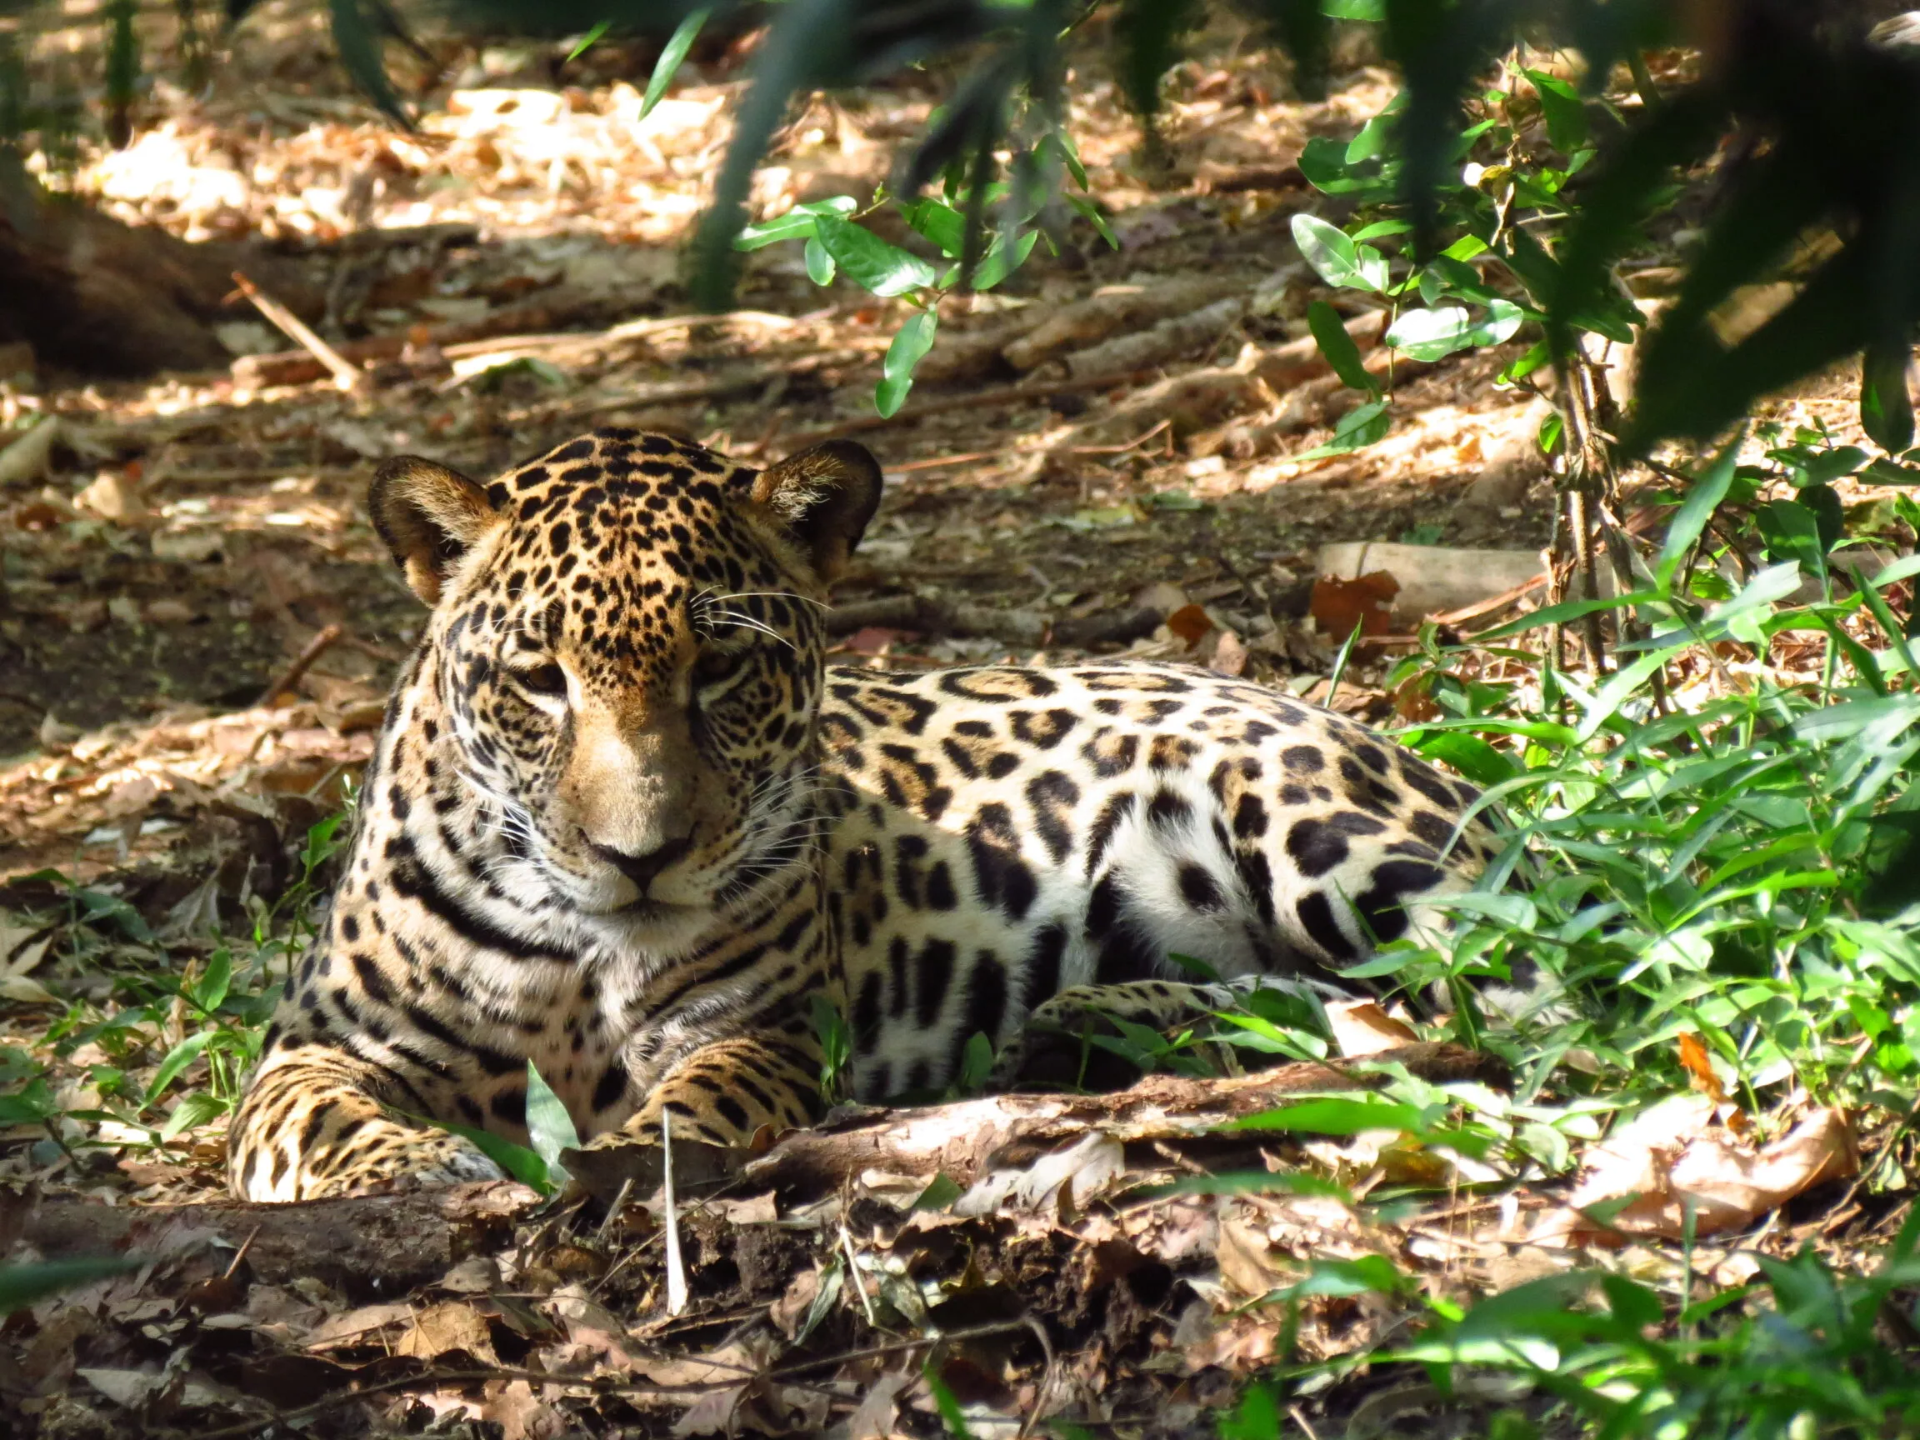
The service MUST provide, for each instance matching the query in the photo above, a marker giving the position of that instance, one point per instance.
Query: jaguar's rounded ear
(823, 498)
(429, 516)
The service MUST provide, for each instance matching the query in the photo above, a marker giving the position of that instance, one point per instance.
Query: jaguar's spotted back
(624, 822)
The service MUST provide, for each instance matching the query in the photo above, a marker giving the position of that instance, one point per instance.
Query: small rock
(248, 337)
(17, 362)
(1163, 596)
(189, 547)
(169, 612)
(55, 734)
(86, 615)
(125, 609)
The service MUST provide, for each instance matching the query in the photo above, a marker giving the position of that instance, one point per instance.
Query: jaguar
(624, 821)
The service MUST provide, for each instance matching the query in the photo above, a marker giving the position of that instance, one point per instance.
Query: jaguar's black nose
(642, 869)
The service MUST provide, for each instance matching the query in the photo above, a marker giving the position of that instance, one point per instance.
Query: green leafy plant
(550, 1133)
(22, 1285)
(836, 1050)
(837, 243)
(1493, 273)
(219, 1006)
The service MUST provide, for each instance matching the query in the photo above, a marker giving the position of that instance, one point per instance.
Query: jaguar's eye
(547, 680)
(716, 665)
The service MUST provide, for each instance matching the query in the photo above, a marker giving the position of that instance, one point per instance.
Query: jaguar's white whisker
(747, 622)
(773, 595)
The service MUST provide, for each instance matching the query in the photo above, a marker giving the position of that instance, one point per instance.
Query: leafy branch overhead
(1812, 131)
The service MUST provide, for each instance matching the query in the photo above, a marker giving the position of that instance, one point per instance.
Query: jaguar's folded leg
(318, 1122)
(726, 1092)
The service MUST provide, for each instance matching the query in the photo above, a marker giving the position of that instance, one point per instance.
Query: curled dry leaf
(791, 1308)
(1076, 1173)
(1361, 1027)
(873, 1418)
(451, 1325)
(1673, 1159)
(1699, 1067)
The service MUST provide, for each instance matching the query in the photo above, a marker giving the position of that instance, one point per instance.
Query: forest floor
(199, 624)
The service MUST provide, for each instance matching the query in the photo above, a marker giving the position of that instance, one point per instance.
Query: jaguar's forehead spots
(612, 540)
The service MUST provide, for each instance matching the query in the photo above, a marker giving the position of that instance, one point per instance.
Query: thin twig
(670, 1216)
(1493, 604)
(240, 1254)
(613, 1210)
(346, 374)
(290, 677)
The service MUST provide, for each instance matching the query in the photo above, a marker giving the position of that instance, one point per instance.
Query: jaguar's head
(628, 645)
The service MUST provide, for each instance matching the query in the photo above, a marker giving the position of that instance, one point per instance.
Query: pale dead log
(964, 1139)
(1196, 401)
(1122, 307)
(970, 354)
(1026, 394)
(925, 615)
(1298, 360)
(1310, 393)
(1217, 179)
(1165, 341)
(1190, 401)
(1246, 436)
(441, 235)
(1434, 579)
(592, 342)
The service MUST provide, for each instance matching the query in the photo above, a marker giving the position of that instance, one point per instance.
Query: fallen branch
(383, 1244)
(303, 662)
(979, 400)
(558, 310)
(966, 1139)
(1087, 323)
(346, 374)
(1160, 343)
(925, 615)
(441, 235)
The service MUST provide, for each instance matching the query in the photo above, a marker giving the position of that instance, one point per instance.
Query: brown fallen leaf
(1673, 1159)
(520, 1414)
(1339, 605)
(113, 497)
(1190, 623)
(450, 1325)
(791, 1308)
(1247, 1259)
(1361, 1027)
(591, 1328)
